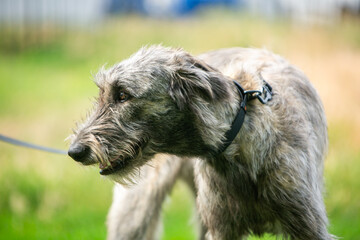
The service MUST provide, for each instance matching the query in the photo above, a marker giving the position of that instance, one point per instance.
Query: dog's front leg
(135, 211)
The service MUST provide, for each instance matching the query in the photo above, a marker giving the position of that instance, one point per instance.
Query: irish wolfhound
(163, 100)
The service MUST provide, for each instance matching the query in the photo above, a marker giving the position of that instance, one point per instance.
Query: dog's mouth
(114, 166)
(121, 163)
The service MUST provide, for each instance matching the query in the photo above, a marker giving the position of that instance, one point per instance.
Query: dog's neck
(219, 116)
(229, 112)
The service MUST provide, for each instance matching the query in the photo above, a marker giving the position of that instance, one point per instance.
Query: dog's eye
(123, 96)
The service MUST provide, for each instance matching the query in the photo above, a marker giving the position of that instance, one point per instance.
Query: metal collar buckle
(263, 96)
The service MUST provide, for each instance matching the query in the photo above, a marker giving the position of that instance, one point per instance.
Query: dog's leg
(135, 211)
(187, 175)
(302, 217)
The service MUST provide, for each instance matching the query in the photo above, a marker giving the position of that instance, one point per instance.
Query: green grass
(44, 89)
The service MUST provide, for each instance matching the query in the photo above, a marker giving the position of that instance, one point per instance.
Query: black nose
(78, 152)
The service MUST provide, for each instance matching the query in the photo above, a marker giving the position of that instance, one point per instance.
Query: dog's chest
(233, 197)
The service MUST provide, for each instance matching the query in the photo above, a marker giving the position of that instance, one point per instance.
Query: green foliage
(45, 88)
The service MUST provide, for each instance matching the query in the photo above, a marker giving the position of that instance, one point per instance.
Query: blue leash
(30, 145)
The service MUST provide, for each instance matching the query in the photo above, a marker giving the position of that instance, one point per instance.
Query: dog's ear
(193, 79)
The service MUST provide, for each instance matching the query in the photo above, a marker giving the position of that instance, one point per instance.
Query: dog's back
(250, 66)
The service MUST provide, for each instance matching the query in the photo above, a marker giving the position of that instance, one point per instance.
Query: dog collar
(263, 96)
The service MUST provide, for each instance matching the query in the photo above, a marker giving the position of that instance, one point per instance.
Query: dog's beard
(132, 174)
(118, 156)
(127, 178)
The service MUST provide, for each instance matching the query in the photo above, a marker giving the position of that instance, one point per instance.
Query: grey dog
(164, 100)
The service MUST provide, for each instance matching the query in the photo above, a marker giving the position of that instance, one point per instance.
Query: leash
(16, 142)
(263, 96)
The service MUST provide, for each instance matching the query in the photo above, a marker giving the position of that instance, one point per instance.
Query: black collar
(263, 96)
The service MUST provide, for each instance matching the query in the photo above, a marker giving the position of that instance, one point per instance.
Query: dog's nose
(78, 152)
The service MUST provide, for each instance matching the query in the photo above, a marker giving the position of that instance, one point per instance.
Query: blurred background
(49, 50)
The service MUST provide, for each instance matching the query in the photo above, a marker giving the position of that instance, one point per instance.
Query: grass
(45, 88)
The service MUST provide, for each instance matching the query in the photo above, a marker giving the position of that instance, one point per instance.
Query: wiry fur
(268, 180)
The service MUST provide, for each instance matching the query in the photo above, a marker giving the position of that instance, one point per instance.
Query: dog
(267, 179)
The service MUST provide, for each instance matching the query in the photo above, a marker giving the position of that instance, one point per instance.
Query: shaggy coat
(163, 100)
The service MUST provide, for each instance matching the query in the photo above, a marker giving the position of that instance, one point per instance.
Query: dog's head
(158, 100)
